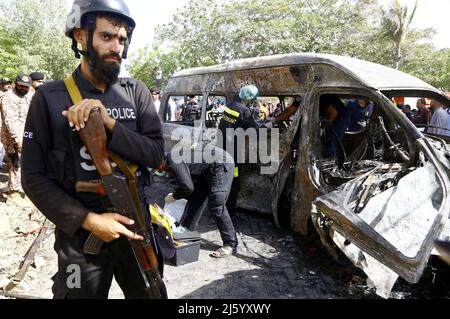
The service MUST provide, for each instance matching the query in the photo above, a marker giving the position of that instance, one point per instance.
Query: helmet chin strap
(125, 50)
(87, 53)
(90, 24)
(75, 49)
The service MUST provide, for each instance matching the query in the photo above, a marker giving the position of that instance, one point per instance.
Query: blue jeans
(212, 191)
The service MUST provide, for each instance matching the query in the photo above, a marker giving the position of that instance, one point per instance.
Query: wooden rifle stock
(94, 138)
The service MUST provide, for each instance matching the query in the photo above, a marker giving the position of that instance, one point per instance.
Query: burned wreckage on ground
(382, 201)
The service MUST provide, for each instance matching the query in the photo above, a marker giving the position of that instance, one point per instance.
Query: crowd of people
(183, 110)
(188, 110)
(434, 117)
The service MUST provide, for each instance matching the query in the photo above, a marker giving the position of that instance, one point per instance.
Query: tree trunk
(398, 56)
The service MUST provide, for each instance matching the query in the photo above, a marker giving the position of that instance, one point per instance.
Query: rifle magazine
(93, 245)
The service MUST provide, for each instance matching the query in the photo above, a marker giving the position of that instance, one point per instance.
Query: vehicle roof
(369, 74)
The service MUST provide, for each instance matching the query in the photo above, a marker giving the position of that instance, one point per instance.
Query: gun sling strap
(129, 171)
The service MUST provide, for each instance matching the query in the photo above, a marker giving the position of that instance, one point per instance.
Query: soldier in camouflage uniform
(14, 107)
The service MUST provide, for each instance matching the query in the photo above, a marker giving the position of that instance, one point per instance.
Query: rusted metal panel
(369, 74)
(278, 80)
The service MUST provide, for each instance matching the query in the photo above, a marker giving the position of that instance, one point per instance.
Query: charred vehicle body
(383, 198)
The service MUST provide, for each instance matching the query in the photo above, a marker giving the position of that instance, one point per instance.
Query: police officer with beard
(54, 158)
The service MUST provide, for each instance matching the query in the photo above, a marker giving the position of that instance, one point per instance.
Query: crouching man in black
(204, 173)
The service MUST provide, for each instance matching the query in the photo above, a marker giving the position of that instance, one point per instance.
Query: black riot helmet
(84, 14)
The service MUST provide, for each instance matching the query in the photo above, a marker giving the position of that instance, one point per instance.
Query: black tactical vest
(68, 160)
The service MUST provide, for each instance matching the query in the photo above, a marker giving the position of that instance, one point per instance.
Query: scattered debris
(30, 255)
(27, 258)
(7, 295)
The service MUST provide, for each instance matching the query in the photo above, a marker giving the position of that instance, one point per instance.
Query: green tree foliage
(212, 31)
(34, 30)
(207, 32)
(9, 61)
(429, 65)
(396, 24)
(145, 64)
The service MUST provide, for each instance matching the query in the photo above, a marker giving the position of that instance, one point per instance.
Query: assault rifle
(126, 203)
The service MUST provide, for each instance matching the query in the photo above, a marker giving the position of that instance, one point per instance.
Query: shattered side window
(214, 110)
(286, 110)
(264, 107)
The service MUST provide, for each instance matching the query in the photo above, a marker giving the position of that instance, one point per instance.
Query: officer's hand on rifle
(109, 227)
(78, 114)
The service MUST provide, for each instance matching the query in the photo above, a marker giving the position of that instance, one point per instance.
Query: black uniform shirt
(236, 115)
(54, 158)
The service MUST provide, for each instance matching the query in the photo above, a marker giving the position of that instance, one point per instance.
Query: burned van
(381, 199)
